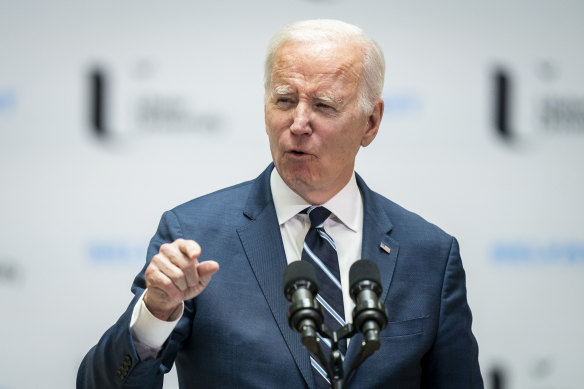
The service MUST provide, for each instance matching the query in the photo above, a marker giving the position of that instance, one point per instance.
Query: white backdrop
(183, 116)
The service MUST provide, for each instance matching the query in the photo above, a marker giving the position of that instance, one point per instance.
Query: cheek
(352, 138)
(276, 117)
(277, 124)
(270, 125)
(274, 139)
(342, 149)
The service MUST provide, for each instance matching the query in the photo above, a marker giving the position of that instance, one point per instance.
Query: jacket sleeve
(453, 360)
(114, 362)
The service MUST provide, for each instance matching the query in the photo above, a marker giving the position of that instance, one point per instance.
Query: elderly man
(229, 327)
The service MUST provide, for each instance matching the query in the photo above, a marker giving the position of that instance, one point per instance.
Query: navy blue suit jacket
(236, 335)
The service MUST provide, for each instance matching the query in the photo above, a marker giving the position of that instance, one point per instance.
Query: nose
(301, 123)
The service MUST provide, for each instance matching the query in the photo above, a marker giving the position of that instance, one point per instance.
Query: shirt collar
(346, 205)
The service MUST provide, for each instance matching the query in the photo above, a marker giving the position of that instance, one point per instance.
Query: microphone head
(299, 272)
(369, 315)
(363, 270)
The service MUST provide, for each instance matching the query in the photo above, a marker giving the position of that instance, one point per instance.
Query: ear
(373, 123)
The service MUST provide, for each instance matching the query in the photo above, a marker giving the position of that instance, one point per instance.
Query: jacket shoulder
(408, 224)
(228, 197)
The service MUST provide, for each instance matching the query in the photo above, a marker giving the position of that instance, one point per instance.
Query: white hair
(319, 30)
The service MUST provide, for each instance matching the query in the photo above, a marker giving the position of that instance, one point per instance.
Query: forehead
(317, 64)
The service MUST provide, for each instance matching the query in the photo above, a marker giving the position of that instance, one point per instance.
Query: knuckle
(156, 259)
(165, 282)
(188, 265)
(195, 245)
(151, 269)
(164, 248)
(175, 273)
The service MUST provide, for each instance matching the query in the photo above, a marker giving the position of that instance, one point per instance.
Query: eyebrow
(330, 99)
(283, 90)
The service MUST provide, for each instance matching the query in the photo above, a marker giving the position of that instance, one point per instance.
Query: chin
(302, 173)
(303, 185)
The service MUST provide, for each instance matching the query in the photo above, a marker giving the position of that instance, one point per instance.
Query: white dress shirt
(344, 226)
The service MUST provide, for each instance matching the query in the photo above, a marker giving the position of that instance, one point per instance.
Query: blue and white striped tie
(320, 250)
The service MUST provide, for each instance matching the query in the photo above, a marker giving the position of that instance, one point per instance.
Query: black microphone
(369, 315)
(300, 288)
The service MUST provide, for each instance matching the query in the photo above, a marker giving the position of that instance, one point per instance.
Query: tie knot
(317, 216)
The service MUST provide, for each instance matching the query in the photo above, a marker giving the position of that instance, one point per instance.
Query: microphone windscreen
(364, 269)
(297, 271)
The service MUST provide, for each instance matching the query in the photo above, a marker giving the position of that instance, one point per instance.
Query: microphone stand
(334, 365)
(305, 315)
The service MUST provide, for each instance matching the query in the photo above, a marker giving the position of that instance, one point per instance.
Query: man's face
(313, 117)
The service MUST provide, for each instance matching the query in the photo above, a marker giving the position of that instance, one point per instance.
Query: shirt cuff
(149, 330)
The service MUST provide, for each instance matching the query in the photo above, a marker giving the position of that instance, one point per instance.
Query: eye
(326, 108)
(284, 102)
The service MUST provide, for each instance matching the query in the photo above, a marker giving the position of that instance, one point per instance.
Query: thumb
(207, 268)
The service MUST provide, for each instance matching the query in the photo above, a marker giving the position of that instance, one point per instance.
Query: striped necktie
(320, 250)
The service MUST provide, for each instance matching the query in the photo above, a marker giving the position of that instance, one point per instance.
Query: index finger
(190, 248)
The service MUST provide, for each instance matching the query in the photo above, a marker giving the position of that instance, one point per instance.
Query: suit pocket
(403, 328)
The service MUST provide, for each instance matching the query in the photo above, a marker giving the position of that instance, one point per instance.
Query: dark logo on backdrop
(551, 106)
(502, 103)
(140, 111)
(97, 102)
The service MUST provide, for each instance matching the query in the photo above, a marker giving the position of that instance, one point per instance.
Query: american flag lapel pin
(385, 247)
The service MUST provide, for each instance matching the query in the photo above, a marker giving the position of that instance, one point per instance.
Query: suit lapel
(262, 243)
(377, 246)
